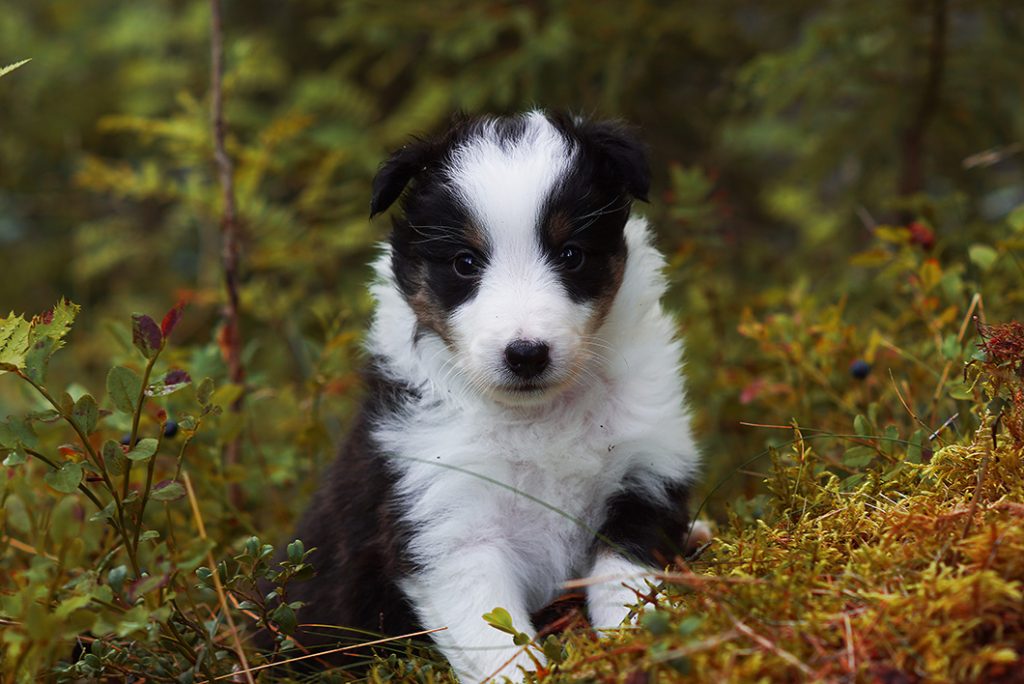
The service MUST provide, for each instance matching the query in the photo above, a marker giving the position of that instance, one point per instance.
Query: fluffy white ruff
(504, 501)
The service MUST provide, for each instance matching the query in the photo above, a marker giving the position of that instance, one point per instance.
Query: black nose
(527, 358)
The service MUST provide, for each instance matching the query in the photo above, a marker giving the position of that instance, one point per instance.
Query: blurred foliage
(840, 193)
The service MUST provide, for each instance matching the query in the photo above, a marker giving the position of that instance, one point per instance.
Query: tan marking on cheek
(603, 303)
(429, 314)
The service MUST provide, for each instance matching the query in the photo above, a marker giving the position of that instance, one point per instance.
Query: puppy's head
(510, 243)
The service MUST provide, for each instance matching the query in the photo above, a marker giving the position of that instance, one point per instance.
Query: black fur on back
(359, 541)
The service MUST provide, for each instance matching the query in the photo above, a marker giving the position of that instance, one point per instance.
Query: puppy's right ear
(395, 173)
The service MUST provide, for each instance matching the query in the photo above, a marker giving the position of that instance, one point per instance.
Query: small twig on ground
(770, 646)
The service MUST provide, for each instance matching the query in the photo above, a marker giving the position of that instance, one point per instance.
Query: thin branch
(231, 341)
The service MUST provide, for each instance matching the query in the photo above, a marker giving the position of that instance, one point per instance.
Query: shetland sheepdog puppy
(525, 420)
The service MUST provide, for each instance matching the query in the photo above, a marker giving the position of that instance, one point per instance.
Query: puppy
(525, 419)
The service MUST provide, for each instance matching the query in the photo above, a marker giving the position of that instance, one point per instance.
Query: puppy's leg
(641, 532)
(454, 592)
(618, 581)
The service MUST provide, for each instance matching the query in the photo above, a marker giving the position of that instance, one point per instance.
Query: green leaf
(123, 387)
(521, 639)
(226, 395)
(46, 336)
(204, 391)
(13, 342)
(106, 514)
(14, 458)
(168, 490)
(85, 414)
(284, 617)
(892, 438)
(17, 433)
(295, 551)
(1016, 219)
(961, 390)
(689, 625)
(914, 448)
(655, 621)
(983, 256)
(37, 359)
(858, 456)
(951, 347)
(194, 553)
(861, 426)
(66, 478)
(55, 323)
(144, 450)
(500, 619)
(553, 650)
(11, 67)
(113, 457)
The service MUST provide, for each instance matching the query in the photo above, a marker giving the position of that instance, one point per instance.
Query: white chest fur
(534, 484)
(503, 502)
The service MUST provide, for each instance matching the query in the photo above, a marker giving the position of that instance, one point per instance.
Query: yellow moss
(903, 576)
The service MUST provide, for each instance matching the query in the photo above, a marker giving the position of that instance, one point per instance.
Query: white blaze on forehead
(504, 184)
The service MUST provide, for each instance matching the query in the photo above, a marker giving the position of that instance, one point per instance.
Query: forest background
(838, 187)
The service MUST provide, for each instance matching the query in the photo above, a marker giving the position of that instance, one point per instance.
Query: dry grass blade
(774, 648)
(22, 546)
(341, 649)
(975, 301)
(221, 598)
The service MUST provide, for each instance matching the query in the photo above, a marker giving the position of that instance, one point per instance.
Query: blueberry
(170, 429)
(126, 439)
(860, 369)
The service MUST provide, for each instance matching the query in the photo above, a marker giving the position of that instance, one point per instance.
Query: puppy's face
(511, 248)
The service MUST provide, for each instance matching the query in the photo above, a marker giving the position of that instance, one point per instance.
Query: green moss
(904, 574)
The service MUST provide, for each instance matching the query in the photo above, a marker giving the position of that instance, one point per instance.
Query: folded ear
(395, 173)
(620, 153)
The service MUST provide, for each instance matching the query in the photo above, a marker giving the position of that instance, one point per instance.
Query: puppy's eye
(571, 257)
(466, 265)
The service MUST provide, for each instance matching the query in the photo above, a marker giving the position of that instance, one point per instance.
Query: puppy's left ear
(621, 153)
(395, 173)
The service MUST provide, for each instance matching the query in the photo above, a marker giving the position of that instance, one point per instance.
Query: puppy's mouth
(527, 388)
(537, 390)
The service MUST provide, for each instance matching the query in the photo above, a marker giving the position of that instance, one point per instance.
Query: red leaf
(176, 377)
(920, 234)
(171, 319)
(146, 335)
